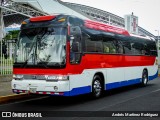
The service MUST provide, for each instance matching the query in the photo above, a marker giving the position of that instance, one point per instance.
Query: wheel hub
(97, 87)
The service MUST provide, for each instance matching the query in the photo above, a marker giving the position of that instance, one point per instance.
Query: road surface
(127, 100)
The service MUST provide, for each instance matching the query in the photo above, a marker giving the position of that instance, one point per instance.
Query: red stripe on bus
(42, 18)
(92, 61)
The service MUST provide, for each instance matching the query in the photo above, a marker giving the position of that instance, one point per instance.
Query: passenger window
(109, 46)
(127, 47)
(93, 45)
(120, 48)
(137, 48)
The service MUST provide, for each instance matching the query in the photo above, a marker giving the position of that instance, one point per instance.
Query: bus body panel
(93, 61)
(118, 69)
(114, 78)
(41, 86)
(80, 78)
(81, 83)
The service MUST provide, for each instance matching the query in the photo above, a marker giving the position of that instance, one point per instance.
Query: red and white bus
(65, 55)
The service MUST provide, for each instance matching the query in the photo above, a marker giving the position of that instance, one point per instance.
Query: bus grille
(36, 77)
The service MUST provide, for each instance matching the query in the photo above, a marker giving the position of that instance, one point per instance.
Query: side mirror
(75, 30)
(75, 47)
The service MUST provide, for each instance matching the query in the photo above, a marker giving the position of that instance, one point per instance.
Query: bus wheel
(144, 78)
(97, 87)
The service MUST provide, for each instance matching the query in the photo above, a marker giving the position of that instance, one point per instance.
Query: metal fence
(6, 57)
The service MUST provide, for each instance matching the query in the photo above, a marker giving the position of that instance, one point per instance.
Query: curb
(14, 97)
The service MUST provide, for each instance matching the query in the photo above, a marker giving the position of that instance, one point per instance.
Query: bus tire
(97, 86)
(144, 78)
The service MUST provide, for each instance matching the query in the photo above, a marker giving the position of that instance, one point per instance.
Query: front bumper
(41, 87)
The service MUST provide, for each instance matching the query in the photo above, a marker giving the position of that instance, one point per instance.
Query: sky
(148, 11)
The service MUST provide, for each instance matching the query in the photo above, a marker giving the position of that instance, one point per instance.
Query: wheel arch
(145, 69)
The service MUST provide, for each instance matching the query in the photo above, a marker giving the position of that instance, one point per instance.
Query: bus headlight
(57, 78)
(17, 77)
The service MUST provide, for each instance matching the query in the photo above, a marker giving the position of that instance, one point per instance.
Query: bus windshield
(45, 46)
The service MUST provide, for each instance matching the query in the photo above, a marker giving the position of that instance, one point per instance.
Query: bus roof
(143, 37)
(90, 24)
(105, 27)
(87, 23)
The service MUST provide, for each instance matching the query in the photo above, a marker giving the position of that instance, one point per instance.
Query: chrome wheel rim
(97, 87)
(145, 79)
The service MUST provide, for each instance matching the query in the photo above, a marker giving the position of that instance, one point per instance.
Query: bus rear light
(42, 18)
(17, 77)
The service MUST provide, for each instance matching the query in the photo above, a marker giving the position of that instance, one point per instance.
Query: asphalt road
(131, 100)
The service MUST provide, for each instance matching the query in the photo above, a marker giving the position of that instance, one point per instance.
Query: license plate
(32, 90)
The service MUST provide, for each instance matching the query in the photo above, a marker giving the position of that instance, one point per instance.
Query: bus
(66, 56)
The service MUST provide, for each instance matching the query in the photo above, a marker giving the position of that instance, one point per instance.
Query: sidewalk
(6, 94)
(5, 85)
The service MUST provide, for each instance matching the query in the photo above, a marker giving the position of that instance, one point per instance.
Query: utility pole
(158, 50)
(1, 35)
(2, 27)
(1, 19)
(158, 41)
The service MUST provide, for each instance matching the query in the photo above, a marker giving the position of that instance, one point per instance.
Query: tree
(12, 35)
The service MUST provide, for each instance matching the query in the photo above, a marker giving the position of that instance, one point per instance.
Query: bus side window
(152, 48)
(119, 47)
(127, 47)
(146, 50)
(136, 48)
(109, 46)
(93, 44)
(106, 48)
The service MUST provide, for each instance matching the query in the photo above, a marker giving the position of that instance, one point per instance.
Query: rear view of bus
(65, 55)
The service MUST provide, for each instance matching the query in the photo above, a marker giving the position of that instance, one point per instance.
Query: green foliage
(12, 35)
